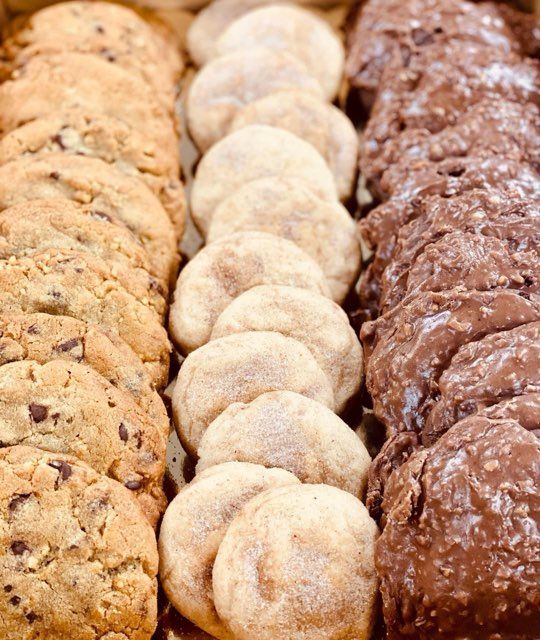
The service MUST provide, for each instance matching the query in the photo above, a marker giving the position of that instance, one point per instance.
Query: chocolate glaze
(458, 557)
(409, 347)
(524, 409)
(434, 88)
(499, 366)
(513, 262)
(492, 128)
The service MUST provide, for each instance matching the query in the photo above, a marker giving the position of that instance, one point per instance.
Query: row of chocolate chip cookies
(451, 150)
(271, 537)
(91, 209)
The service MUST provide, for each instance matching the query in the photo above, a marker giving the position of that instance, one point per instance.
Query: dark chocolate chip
(57, 139)
(54, 175)
(33, 329)
(68, 345)
(100, 29)
(63, 467)
(108, 55)
(31, 617)
(15, 601)
(38, 412)
(133, 485)
(18, 548)
(123, 432)
(17, 501)
(8, 588)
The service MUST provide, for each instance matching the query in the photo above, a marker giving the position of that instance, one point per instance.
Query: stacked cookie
(247, 551)
(451, 151)
(91, 209)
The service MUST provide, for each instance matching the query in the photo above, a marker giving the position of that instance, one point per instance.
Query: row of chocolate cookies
(451, 153)
(271, 358)
(91, 209)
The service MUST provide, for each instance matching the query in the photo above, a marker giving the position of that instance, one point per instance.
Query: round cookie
(193, 527)
(82, 133)
(315, 321)
(286, 208)
(298, 563)
(226, 268)
(254, 152)
(239, 368)
(110, 31)
(292, 30)
(42, 225)
(79, 559)
(49, 84)
(322, 125)
(105, 190)
(60, 283)
(66, 407)
(225, 85)
(286, 430)
(42, 337)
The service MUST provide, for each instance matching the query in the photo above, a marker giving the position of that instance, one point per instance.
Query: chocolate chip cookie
(106, 190)
(61, 283)
(66, 407)
(79, 560)
(94, 134)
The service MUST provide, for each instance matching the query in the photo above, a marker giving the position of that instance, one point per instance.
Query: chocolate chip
(123, 432)
(31, 617)
(63, 467)
(38, 412)
(133, 485)
(108, 55)
(57, 139)
(33, 329)
(17, 501)
(100, 29)
(18, 548)
(8, 588)
(15, 601)
(68, 345)
(54, 175)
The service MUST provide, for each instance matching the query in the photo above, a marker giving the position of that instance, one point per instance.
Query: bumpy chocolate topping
(458, 557)
(491, 128)
(380, 29)
(524, 409)
(482, 373)
(410, 346)
(512, 263)
(432, 89)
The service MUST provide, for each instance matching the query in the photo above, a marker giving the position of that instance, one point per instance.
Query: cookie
(226, 268)
(61, 284)
(66, 407)
(254, 152)
(79, 559)
(285, 430)
(292, 30)
(105, 190)
(192, 530)
(238, 368)
(315, 321)
(324, 126)
(42, 337)
(286, 208)
(82, 133)
(51, 84)
(40, 225)
(225, 85)
(110, 31)
(298, 562)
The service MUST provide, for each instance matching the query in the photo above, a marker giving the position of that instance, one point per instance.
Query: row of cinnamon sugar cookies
(271, 539)
(91, 209)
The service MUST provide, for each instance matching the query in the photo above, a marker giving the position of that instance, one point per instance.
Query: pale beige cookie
(79, 560)
(40, 225)
(115, 33)
(193, 527)
(324, 126)
(286, 430)
(66, 407)
(49, 84)
(42, 337)
(254, 152)
(63, 284)
(107, 193)
(79, 132)
(298, 564)
(293, 30)
(239, 368)
(312, 319)
(286, 208)
(225, 269)
(225, 85)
